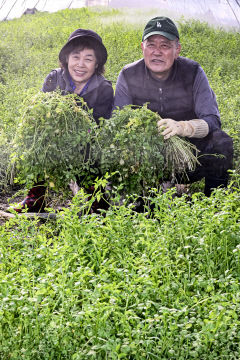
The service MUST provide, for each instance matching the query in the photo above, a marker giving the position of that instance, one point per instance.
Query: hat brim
(62, 52)
(163, 33)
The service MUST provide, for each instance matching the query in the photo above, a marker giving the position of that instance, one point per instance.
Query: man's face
(159, 54)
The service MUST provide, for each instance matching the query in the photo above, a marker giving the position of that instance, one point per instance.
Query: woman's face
(82, 64)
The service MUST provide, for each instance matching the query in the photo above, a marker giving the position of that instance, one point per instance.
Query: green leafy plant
(5, 154)
(132, 147)
(52, 139)
(124, 285)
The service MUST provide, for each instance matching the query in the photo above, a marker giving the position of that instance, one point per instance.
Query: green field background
(121, 285)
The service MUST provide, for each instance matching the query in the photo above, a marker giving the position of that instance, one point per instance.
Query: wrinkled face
(82, 64)
(159, 54)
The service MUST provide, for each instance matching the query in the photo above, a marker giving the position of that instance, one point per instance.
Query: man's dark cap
(84, 34)
(161, 25)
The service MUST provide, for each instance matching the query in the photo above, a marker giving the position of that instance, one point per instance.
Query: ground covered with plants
(162, 284)
(125, 285)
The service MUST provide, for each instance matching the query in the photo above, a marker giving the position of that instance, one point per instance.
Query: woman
(82, 61)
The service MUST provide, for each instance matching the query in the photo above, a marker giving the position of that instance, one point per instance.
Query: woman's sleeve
(104, 103)
(50, 82)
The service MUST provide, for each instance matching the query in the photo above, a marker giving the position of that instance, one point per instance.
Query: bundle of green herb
(132, 147)
(52, 139)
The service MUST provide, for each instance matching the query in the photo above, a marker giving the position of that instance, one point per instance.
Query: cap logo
(159, 24)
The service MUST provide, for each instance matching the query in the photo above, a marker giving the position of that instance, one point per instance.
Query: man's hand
(192, 128)
(170, 127)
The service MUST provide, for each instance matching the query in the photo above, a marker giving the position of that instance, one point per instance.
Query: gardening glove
(196, 128)
(74, 187)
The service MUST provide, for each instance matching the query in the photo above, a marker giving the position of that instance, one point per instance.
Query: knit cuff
(200, 128)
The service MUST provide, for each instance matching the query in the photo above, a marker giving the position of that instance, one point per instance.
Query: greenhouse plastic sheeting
(217, 12)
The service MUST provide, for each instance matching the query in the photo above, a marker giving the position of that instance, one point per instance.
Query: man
(178, 89)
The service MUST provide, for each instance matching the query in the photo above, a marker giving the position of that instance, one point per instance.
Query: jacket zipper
(161, 99)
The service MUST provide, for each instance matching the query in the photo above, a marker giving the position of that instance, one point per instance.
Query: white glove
(74, 187)
(197, 128)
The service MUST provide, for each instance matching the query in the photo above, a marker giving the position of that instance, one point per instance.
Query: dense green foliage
(160, 285)
(133, 149)
(126, 285)
(30, 45)
(52, 139)
(58, 140)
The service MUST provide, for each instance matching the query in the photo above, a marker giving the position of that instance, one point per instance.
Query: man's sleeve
(205, 104)
(122, 94)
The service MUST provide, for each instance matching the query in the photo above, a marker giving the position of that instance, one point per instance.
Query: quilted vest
(172, 98)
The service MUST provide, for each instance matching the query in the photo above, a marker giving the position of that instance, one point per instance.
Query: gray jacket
(98, 96)
(185, 95)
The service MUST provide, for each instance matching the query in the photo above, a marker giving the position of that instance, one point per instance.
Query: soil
(6, 198)
(55, 201)
(10, 196)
